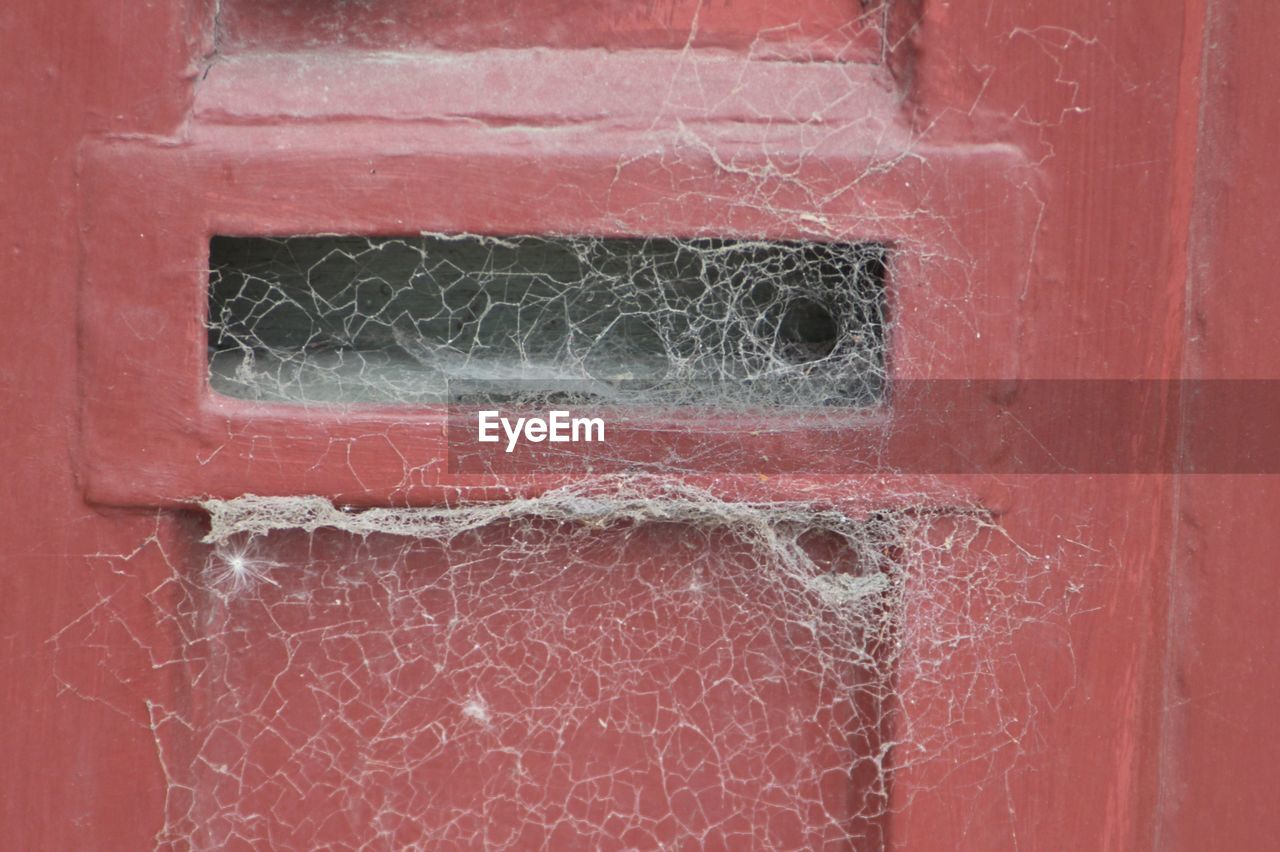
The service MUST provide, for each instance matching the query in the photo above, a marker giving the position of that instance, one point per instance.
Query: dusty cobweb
(624, 662)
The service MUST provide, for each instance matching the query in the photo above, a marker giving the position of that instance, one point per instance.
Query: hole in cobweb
(808, 331)
(708, 322)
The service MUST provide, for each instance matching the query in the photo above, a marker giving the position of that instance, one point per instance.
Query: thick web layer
(656, 321)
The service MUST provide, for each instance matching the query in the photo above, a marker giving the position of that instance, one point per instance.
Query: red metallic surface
(1221, 685)
(1103, 169)
(617, 636)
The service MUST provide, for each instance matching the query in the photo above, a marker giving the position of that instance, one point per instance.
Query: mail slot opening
(655, 322)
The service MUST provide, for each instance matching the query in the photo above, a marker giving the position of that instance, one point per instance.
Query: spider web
(626, 662)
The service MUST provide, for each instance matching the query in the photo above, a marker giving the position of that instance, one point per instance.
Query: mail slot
(724, 323)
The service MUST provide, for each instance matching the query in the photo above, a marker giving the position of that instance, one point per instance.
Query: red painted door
(918, 520)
